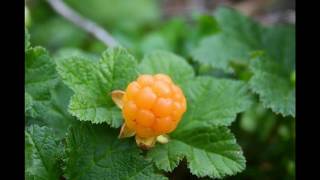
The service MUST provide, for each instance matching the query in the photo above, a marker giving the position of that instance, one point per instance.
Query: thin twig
(61, 8)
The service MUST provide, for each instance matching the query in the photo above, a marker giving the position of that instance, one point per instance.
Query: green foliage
(273, 85)
(56, 32)
(42, 154)
(169, 37)
(238, 39)
(228, 66)
(210, 151)
(165, 62)
(203, 117)
(238, 36)
(94, 152)
(213, 101)
(40, 77)
(46, 98)
(92, 83)
(127, 15)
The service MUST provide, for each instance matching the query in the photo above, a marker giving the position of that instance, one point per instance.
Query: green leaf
(42, 154)
(272, 72)
(92, 83)
(239, 35)
(168, 63)
(46, 97)
(55, 114)
(235, 24)
(95, 152)
(218, 50)
(210, 151)
(280, 45)
(40, 77)
(65, 53)
(273, 85)
(206, 25)
(210, 148)
(213, 101)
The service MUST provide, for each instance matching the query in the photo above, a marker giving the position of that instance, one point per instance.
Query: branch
(61, 8)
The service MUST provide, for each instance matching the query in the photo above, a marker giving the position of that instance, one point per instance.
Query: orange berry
(177, 111)
(162, 107)
(163, 125)
(145, 80)
(145, 117)
(162, 89)
(153, 105)
(145, 98)
(130, 110)
(132, 90)
(163, 77)
(144, 131)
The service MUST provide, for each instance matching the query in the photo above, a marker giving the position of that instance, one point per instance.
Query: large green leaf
(42, 154)
(209, 147)
(92, 83)
(168, 63)
(210, 151)
(214, 101)
(95, 152)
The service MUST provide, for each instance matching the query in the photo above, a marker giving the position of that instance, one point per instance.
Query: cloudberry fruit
(152, 106)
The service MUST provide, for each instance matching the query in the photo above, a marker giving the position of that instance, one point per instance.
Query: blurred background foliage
(267, 139)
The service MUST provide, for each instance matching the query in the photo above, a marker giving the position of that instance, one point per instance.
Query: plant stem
(98, 32)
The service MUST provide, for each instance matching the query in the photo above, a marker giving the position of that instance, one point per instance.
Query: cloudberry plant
(152, 106)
